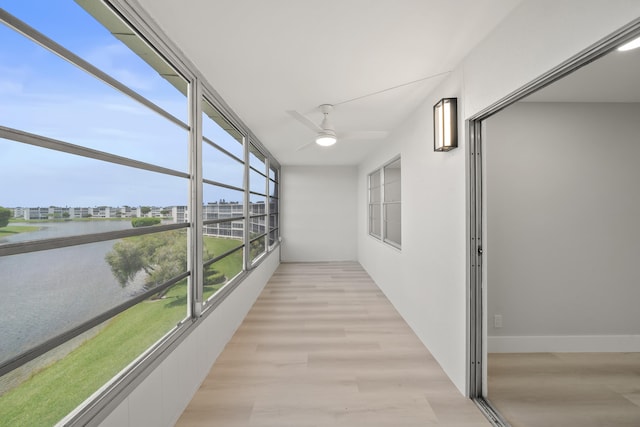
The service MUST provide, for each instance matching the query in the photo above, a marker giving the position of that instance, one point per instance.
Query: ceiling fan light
(633, 44)
(326, 138)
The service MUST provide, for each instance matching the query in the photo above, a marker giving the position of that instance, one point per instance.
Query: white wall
(162, 397)
(537, 36)
(318, 213)
(563, 237)
(427, 281)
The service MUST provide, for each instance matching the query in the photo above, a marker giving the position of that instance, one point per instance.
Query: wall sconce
(445, 124)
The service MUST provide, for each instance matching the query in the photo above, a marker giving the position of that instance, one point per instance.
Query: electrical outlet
(497, 320)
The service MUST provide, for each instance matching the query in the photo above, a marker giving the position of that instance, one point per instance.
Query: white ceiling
(612, 78)
(266, 57)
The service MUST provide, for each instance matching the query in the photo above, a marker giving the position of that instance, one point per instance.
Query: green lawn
(56, 390)
(229, 266)
(10, 230)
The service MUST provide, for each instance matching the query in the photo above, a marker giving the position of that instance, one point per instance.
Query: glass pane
(212, 194)
(229, 229)
(179, 214)
(273, 173)
(438, 127)
(84, 364)
(258, 247)
(392, 223)
(258, 182)
(223, 271)
(374, 187)
(273, 221)
(273, 189)
(50, 97)
(273, 237)
(218, 129)
(273, 205)
(223, 210)
(257, 206)
(73, 284)
(257, 226)
(392, 182)
(120, 55)
(61, 195)
(215, 246)
(375, 220)
(257, 160)
(218, 166)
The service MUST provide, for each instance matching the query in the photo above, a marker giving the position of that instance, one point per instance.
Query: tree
(145, 222)
(5, 215)
(126, 259)
(161, 256)
(145, 210)
(257, 246)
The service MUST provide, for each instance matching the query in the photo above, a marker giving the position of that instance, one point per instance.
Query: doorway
(552, 265)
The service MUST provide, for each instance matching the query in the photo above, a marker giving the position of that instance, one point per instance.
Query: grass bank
(55, 390)
(10, 230)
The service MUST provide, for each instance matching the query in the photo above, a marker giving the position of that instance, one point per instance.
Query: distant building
(35, 213)
(223, 211)
(180, 214)
(126, 211)
(155, 212)
(79, 212)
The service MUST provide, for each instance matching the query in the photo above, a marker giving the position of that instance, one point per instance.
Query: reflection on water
(45, 293)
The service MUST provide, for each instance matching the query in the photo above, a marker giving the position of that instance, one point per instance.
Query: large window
(385, 203)
(258, 202)
(274, 206)
(223, 212)
(129, 209)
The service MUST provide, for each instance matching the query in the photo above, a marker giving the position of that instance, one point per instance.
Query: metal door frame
(476, 308)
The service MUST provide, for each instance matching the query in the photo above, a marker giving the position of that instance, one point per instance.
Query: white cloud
(12, 79)
(131, 109)
(113, 58)
(8, 87)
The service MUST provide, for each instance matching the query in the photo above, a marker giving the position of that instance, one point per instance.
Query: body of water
(45, 293)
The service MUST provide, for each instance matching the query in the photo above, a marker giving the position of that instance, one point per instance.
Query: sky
(43, 94)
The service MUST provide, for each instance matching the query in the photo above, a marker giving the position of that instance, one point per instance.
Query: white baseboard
(564, 344)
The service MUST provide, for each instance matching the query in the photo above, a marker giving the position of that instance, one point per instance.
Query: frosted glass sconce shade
(445, 124)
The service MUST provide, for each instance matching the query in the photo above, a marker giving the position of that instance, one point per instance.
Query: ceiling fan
(326, 134)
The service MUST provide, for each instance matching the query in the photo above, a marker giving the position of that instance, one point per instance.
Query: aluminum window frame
(381, 204)
(96, 408)
(252, 262)
(47, 143)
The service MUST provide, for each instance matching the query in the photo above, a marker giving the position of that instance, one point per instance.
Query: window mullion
(383, 218)
(195, 209)
(247, 199)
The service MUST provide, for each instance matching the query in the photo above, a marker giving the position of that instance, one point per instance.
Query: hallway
(322, 346)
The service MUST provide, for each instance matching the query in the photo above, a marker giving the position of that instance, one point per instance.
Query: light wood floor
(322, 346)
(566, 389)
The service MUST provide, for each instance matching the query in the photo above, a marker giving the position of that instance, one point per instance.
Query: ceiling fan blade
(304, 120)
(306, 146)
(363, 135)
